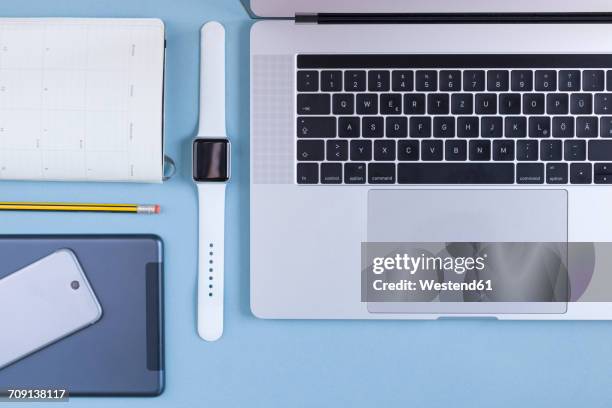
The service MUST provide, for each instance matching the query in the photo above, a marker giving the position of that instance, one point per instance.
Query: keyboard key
(556, 173)
(587, 126)
(331, 81)
(408, 150)
(384, 150)
(527, 150)
(603, 104)
(581, 104)
(307, 173)
(431, 150)
(550, 150)
(316, 126)
(569, 80)
(521, 80)
(491, 126)
(462, 104)
(414, 104)
(349, 126)
(533, 104)
(503, 150)
(480, 150)
(337, 150)
(367, 104)
(486, 104)
(426, 81)
(331, 173)
(343, 104)
(354, 81)
(310, 150)
(391, 104)
(420, 126)
(444, 126)
(455, 150)
(378, 81)
(473, 81)
(545, 81)
(450, 80)
(510, 103)
(372, 126)
(307, 81)
(361, 150)
(354, 173)
(530, 173)
(574, 150)
(313, 104)
(381, 173)
(437, 104)
(396, 126)
(600, 150)
(515, 126)
(606, 126)
(455, 173)
(402, 81)
(581, 173)
(557, 104)
(592, 80)
(563, 126)
(609, 80)
(467, 126)
(497, 81)
(539, 126)
(602, 173)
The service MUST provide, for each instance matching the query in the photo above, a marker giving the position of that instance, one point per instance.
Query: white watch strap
(212, 80)
(211, 199)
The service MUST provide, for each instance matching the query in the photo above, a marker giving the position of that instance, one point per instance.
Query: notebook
(81, 99)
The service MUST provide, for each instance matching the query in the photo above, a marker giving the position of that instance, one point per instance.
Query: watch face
(211, 159)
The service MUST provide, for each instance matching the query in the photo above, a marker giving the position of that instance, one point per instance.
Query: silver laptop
(426, 122)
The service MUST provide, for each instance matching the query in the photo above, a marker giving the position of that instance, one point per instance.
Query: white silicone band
(212, 80)
(211, 243)
(211, 196)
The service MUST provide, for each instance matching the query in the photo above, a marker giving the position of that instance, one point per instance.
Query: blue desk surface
(296, 363)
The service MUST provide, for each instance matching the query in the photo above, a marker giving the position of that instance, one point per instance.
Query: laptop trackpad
(467, 215)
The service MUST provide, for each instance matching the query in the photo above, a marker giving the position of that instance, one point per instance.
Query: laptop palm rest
(467, 215)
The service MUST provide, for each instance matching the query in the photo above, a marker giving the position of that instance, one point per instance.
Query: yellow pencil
(87, 207)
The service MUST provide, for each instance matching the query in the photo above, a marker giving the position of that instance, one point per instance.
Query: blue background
(262, 363)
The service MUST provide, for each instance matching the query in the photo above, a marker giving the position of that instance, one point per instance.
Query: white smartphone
(43, 303)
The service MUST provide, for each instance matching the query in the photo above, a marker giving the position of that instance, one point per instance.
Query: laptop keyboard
(454, 119)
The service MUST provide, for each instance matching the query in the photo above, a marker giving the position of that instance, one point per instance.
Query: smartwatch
(211, 172)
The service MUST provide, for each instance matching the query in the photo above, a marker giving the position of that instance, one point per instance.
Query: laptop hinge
(307, 18)
(453, 18)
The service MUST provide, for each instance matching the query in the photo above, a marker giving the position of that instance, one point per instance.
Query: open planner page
(81, 99)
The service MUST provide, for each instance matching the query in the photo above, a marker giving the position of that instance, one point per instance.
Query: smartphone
(43, 303)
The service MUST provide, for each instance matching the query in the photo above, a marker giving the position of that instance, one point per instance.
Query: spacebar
(455, 173)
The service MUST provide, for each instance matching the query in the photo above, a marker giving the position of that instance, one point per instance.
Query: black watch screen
(211, 159)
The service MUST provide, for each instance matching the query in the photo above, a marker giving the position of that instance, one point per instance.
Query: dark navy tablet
(121, 354)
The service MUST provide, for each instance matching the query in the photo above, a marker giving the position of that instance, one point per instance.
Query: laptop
(401, 121)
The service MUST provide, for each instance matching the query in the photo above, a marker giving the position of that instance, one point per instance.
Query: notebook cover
(81, 99)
